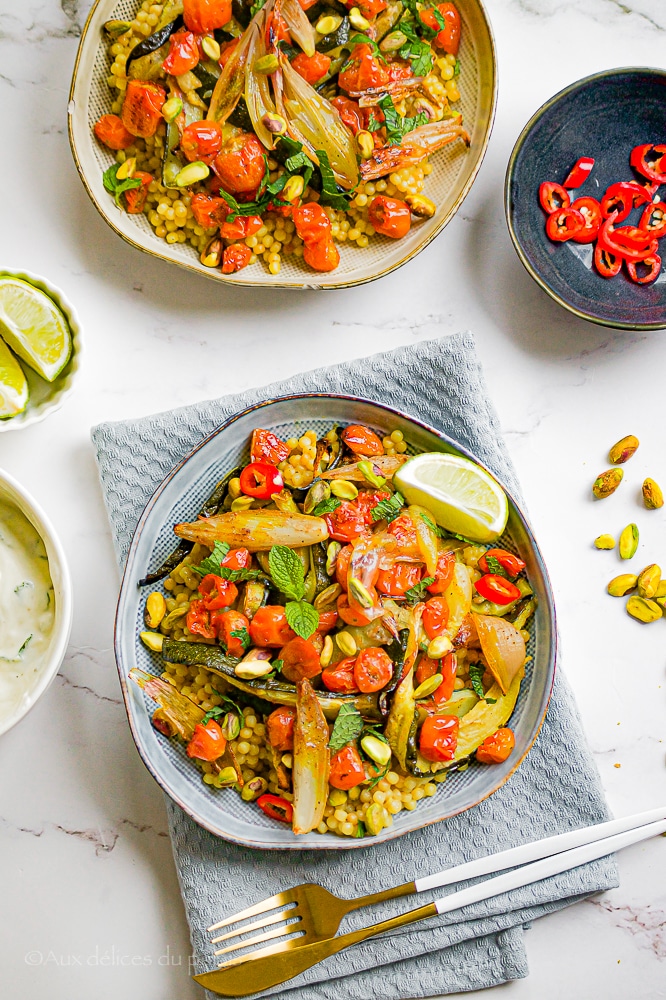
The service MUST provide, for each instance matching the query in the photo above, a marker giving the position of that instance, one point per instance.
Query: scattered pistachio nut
(661, 589)
(661, 601)
(230, 725)
(643, 609)
(171, 109)
(192, 173)
(346, 643)
(274, 123)
(326, 652)
(294, 188)
(153, 640)
(421, 206)
(374, 818)
(332, 551)
(227, 776)
(365, 143)
(252, 789)
(623, 449)
(343, 489)
(242, 503)
(253, 666)
(428, 687)
(266, 64)
(126, 169)
(287, 760)
(211, 256)
(377, 749)
(318, 491)
(329, 23)
(175, 616)
(604, 542)
(360, 593)
(368, 471)
(234, 488)
(628, 541)
(648, 580)
(653, 498)
(621, 585)
(393, 41)
(439, 647)
(337, 797)
(328, 597)
(606, 484)
(115, 27)
(155, 609)
(211, 47)
(357, 19)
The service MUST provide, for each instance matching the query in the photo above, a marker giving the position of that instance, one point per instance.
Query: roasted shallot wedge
(386, 465)
(231, 83)
(503, 648)
(311, 760)
(256, 530)
(258, 97)
(415, 146)
(300, 28)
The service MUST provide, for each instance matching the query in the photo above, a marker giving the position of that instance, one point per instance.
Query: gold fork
(304, 939)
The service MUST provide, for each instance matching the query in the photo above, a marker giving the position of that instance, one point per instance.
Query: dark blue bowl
(603, 116)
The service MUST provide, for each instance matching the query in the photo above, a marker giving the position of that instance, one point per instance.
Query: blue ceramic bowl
(603, 116)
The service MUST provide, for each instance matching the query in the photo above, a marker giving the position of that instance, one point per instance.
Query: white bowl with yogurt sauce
(35, 602)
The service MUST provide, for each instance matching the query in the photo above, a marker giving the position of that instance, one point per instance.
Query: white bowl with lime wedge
(40, 348)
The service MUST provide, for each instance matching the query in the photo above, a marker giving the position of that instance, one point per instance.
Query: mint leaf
(219, 710)
(495, 566)
(360, 829)
(388, 510)
(396, 125)
(116, 187)
(331, 194)
(418, 591)
(326, 506)
(302, 617)
(287, 572)
(213, 562)
(243, 635)
(348, 727)
(277, 666)
(417, 51)
(456, 68)
(476, 672)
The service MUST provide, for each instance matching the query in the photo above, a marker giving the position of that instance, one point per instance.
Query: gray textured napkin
(555, 789)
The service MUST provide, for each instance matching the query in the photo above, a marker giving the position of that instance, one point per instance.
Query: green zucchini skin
(397, 651)
(278, 692)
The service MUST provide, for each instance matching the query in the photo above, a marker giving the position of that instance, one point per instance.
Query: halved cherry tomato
(511, 564)
(399, 70)
(563, 224)
(235, 258)
(110, 130)
(312, 223)
(425, 669)
(313, 67)
(142, 107)
(339, 677)
(395, 582)
(346, 768)
(653, 219)
(351, 114)
(449, 37)
(373, 669)
(342, 565)
(202, 16)
(207, 742)
(354, 615)
(362, 70)
(276, 807)
(346, 523)
(579, 173)
(621, 197)
(237, 559)
(226, 51)
(590, 209)
(644, 272)
(369, 8)
(390, 216)
(448, 668)
(240, 165)
(261, 480)
(649, 161)
(183, 53)
(267, 447)
(496, 748)
(607, 264)
(300, 659)
(327, 621)
(225, 623)
(435, 617)
(553, 197)
(280, 728)
(198, 620)
(446, 563)
(217, 593)
(201, 141)
(403, 530)
(322, 256)
(497, 589)
(135, 198)
(439, 737)
(242, 227)
(270, 628)
(361, 440)
(208, 211)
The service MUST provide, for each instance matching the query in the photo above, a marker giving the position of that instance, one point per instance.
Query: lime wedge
(462, 497)
(34, 327)
(13, 385)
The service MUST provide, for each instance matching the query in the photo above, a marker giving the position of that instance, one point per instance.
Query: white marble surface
(90, 902)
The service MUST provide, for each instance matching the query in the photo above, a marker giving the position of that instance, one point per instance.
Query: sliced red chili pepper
(276, 807)
(261, 480)
(652, 265)
(580, 171)
(449, 666)
(511, 564)
(653, 219)
(628, 246)
(607, 264)
(564, 224)
(647, 160)
(590, 209)
(553, 197)
(497, 589)
(621, 198)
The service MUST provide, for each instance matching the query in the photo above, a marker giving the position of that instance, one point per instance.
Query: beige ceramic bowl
(454, 167)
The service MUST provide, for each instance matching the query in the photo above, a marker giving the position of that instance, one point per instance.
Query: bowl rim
(348, 843)
(213, 273)
(62, 391)
(62, 585)
(509, 212)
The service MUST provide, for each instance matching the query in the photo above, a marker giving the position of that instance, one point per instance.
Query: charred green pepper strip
(397, 650)
(154, 41)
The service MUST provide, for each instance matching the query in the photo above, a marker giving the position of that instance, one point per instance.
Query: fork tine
(274, 918)
(279, 899)
(277, 932)
(272, 949)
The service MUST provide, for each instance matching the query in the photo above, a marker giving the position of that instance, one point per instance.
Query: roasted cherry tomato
(579, 173)
(313, 67)
(448, 38)
(649, 161)
(346, 768)
(228, 622)
(497, 589)
(446, 563)
(425, 669)
(342, 565)
(553, 197)
(312, 223)
(346, 523)
(399, 70)
(240, 165)
(373, 669)
(183, 53)
(198, 620)
(202, 16)
(280, 728)
(395, 582)
(439, 737)
(327, 621)
(237, 559)
(207, 742)
(321, 256)
(653, 219)
(496, 748)
(447, 667)
(267, 447)
(620, 198)
(300, 659)
(201, 141)
(242, 227)
(352, 115)
(261, 480)
(511, 564)
(142, 107)
(362, 70)
(276, 807)
(135, 198)
(607, 264)
(403, 530)
(339, 677)
(369, 8)
(361, 440)
(435, 617)
(563, 224)
(590, 209)
(226, 51)
(217, 593)
(110, 130)
(270, 628)
(208, 211)
(390, 216)
(235, 258)
(644, 272)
